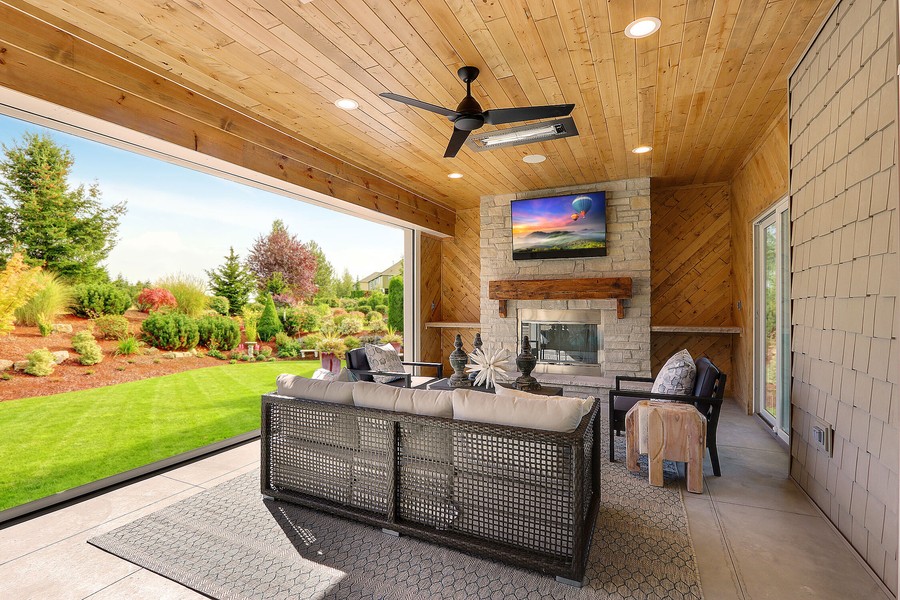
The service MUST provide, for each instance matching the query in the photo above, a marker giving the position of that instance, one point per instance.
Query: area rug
(229, 544)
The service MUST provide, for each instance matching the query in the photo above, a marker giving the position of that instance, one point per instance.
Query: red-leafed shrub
(151, 299)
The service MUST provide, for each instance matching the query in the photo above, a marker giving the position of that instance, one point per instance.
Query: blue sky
(181, 220)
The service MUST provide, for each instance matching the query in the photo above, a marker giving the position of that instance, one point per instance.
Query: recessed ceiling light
(643, 27)
(346, 103)
(534, 159)
(455, 175)
(642, 149)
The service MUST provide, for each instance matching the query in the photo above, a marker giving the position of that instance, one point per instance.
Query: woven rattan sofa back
(523, 488)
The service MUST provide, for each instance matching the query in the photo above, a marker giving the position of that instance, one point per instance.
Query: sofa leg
(264, 497)
(390, 532)
(567, 581)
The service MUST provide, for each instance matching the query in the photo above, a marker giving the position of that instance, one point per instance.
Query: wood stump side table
(670, 431)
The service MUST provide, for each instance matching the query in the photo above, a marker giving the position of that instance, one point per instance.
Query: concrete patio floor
(755, 533)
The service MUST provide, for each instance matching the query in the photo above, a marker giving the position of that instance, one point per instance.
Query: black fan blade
(499, 116)
(419, 104)
(456, 141)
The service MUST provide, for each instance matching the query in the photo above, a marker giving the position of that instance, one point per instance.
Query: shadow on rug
(229, 544)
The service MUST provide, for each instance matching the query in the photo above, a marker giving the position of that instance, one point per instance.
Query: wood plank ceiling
(699, 91)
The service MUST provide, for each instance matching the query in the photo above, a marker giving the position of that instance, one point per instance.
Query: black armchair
(358, 365)
(707, 396)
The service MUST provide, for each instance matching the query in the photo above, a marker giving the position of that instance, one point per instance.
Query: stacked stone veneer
(844, 204)
(626, 341)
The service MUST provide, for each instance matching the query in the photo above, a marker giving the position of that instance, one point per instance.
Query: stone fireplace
(621, 346)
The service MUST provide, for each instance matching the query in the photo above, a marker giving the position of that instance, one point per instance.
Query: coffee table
(444, 385)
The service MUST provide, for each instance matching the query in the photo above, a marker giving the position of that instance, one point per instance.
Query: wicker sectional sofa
(524, 496)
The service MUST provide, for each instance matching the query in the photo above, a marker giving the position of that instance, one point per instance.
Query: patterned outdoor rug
(229, 544)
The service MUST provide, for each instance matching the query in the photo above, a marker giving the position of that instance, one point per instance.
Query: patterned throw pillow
(677, 375)
(384, 358)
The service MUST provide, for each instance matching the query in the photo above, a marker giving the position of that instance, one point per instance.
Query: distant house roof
(394, 269)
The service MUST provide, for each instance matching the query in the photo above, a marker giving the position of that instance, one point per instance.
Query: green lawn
(53, 443)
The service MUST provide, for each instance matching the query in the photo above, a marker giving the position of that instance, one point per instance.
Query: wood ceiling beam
(43, 61)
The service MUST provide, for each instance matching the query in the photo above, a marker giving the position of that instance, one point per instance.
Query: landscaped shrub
(356, 315)
(221, 333)
(87, 347)
(352, 342)
(128, 346)
(170, 331)
(265, 352)
(92, 300)
(51, 300)
(268, 324)
(376, 298)
(377, 326)
(370, 339)
(18, 283)
(44, 326)
(335, 312)
(349, 304)
(292, 320)
(332, 302)
(395, 303)
(309, 342)
(151, 299)
(189, 292)
(375, 316)
(112, 327)
(364, 309)
(381, 308)
(323, 310)
(40, 362)
(219, 304)
(351, 325)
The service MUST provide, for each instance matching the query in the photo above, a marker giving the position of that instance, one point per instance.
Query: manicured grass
(53, 443)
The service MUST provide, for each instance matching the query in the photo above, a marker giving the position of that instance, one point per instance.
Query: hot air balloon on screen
(581, 205)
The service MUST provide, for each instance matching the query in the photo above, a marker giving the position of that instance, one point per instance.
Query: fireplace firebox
(564, 341)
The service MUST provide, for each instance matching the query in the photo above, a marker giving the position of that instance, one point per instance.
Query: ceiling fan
(468, 115)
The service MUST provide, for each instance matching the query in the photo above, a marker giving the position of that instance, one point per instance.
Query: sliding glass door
(772, 348)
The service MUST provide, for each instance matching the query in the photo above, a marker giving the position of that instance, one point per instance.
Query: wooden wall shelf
(452, 325)
(702, 329)
(616, 288)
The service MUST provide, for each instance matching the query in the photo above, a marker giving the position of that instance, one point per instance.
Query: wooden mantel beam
(41, 60)
(616, 288)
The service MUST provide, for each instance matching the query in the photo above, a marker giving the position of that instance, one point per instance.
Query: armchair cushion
(677, 375)
(383, 358)
(705, 380)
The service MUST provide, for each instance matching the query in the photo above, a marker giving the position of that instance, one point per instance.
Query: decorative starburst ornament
(490, 366)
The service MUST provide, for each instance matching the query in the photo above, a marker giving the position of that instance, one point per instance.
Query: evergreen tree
(232, 280)
(66, 230)
(324, 278)
(343, 287)
(269, 324)
(395, 303)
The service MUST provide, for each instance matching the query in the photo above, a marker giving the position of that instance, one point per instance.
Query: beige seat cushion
(430, 403)
(339, 392)
(521, 409)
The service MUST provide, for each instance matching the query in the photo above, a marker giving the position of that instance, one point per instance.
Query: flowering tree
(281, 255)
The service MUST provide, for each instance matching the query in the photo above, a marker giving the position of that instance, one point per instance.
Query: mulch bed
(71, 375)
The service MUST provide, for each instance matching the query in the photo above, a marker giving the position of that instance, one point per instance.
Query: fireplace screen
(564, 343)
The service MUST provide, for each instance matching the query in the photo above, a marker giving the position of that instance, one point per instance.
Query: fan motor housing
(469, 122)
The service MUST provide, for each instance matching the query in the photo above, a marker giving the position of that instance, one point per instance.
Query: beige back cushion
(521, 409)
(430, 403)
(339, 392)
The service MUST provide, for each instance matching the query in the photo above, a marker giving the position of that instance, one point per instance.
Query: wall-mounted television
(559, 226)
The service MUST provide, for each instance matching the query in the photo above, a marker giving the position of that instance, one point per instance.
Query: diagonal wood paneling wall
(690, 261)
(451, 271)
(761, 181)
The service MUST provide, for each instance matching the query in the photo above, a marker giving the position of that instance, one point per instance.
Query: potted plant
(394, 339)
(331, 351)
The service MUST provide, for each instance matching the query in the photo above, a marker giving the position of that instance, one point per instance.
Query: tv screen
(559, 227)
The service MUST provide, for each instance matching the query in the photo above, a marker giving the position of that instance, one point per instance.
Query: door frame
(774, 214)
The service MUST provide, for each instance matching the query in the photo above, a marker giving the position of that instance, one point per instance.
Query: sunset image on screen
(561, 226)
